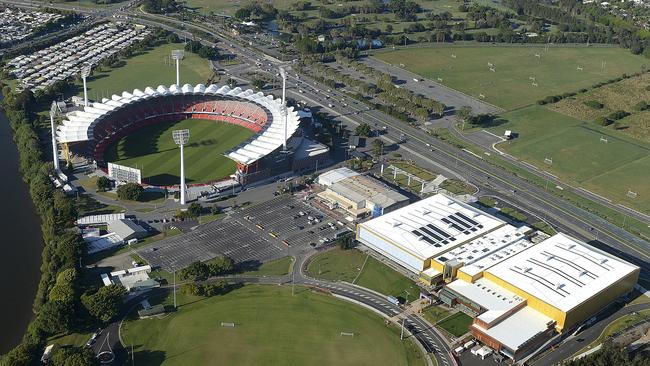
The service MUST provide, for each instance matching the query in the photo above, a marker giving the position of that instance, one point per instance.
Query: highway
(439, 156)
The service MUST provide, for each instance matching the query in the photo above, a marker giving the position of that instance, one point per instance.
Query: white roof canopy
(78, 125)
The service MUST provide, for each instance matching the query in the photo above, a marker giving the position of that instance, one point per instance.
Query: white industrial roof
(335, 176)
(490, 249)
(562, 271)
(433, 225)
(78, 125)
(514, 331)
(497, 300)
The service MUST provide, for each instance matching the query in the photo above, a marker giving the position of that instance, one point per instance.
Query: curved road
(423, 331)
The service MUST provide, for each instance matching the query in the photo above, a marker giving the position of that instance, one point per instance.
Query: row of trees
(200, 271)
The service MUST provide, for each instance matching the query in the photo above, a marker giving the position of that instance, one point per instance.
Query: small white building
(133, 279)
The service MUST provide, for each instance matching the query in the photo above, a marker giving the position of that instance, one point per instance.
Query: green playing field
(152, 150)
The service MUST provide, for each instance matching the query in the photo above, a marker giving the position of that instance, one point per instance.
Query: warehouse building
(521, 287)
(359, 195)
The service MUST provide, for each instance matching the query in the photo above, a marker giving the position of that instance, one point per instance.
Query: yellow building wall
(581, 312)
(468, 278)
(436, 265)
(551, 311)
(599, 301)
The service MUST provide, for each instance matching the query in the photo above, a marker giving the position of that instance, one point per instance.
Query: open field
(509, 86)
(345, 265)
(456, 324)
(277, 267)
(578, 155)
(152, 149)
(271, 328)
(623, 95)
(152, 68)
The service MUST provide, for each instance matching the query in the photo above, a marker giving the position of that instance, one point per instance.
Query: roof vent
(396, 223)
(603, 261)
(558, 286)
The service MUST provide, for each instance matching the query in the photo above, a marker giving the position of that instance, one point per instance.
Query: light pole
(55, 152)
(174, 269)
(85, 72)
(181, 138)
(178, 56)
(406, 301)
(283, 73)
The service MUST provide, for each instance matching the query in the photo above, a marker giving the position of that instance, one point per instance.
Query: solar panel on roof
(444, 234)
(466, 218)
(455, 226)
(427, 231)
(459, 221)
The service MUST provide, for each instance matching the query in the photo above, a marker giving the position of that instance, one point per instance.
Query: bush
(616, 115)
(130, 191)
(594, 104)
(103, 184)
(603, 121)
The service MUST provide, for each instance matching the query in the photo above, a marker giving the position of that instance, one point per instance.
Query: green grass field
(277, 267)
(152, 149)
(457, 324)
(579, 157)
(272, 328)
(148, 69)
(509, 86)
(345, 265)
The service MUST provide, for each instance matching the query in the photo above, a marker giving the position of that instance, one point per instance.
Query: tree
(345, 242)
(55, 317)
(130, 191)
(463, 114)
(363, 130)
(73, 356)
(103, 183)
(243, 13)
(105, 303)
(221, 265)
(196, 270)
(389, 28)
(378, 146)
(194, 209)
(258, 84)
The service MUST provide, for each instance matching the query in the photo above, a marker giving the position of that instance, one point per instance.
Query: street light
(85, 72)
(181, 138)
(55, 153)
(178, 56)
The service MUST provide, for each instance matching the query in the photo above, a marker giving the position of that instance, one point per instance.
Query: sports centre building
(88, 132)
(520, 287)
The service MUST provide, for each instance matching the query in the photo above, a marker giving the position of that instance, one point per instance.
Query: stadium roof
(562, 271)
(78, 125)
(433, 225)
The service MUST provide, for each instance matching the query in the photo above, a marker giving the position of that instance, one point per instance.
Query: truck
(393, 300)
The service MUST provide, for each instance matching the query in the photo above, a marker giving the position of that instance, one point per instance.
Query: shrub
(130, 191)
(603, 121)
(594, 104)
(103, 183)
(616, 115)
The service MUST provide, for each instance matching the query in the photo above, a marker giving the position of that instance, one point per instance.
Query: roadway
(439, 156)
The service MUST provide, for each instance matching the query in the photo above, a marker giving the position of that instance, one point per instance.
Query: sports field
(357, 267)
(271, 328)
(152, 150)
(151, 68)
(610, 167)
(510, 85)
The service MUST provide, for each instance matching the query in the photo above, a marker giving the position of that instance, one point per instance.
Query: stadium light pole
(181, 138)
(283, 73)
(85, 72)
(178, 56)
(55, 152)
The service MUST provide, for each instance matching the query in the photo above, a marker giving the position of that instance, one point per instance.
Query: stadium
(277, 145)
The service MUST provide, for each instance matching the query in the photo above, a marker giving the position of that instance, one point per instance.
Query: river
(20, 245)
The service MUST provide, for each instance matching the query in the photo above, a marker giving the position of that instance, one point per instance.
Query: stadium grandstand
(88, 132)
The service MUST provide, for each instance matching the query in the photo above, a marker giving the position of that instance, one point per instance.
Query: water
(20, 245)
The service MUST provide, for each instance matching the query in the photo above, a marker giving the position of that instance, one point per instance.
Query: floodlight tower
(85, 72)
(178, 56)
(55, 152)
(283, 73)
(181, 138)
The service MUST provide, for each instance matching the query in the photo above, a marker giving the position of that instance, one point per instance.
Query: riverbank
(21, 245)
